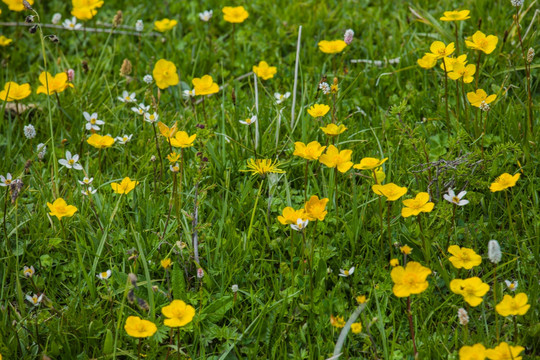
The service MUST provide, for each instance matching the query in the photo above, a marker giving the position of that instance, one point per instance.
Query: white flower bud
(494, 251)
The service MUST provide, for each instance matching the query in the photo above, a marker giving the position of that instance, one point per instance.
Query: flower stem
(158, 150)
(411, 327)
(178, 344)
(495, 301)
(446, 97)
(139, 349)
(426, 247)
(389, 233)
(305, 180)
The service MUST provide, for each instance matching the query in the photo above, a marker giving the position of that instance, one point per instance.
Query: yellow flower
(361, 299)
(476, 98)
(504, 181)
(290, 216)
(264, 71)
(173, 157)
(475, 352)
(168, 132)
(99, 141)
(315, 208)
(427, 61)
(482, 42)
(356, 328)
(409, 280)
(464, 257)
(235, 15)
(165, 74)
(139, 328)
(311, 151)
(125, 186)
(335, 158)
(60, 208)
(332, 47)
(513, 305)
(57, 84)
(333, 129)
(472, 289)
(391, 191)
(337, 321)
(164, 24)
(394, 262)
(318, 110)
(205, 85)
(16, 5)
(464, 72)
(263, 166)
(440, 50)
(456, 15)
(179, 313)
(503, 351)
(447, 63)
(13, 91)
(405, 250)
(4, 41)
(417, 205)
(369, 163)
(182, 139)
(166, 263)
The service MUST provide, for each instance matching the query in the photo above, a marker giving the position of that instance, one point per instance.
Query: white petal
(86, 116)
(77, 166)
(451, 192)
(461, 194)
(68, 155)
(64, 162)
(463, 202)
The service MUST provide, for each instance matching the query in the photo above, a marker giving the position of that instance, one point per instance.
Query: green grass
(395, 111)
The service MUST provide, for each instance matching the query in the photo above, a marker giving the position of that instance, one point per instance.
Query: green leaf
(178, 282)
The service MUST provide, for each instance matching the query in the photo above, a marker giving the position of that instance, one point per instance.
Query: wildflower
(60, 209)
(417, 205)
(447, 63)
(88, 191)
(455, 15)
(516, 3)
(86, 181)
(356, 328)
(41, 150)
(29, 271)
(182, 139)
(463, 316)
(85, 9)
(315, 208)
(464, 72)
(188, 94)
(394, 262)
(125, 186)
(17, 5)
(122, 140)
(141, 109)
(440, 50)
(318, 110)
(92, 121)
(165, 24)
(4, 41)
(234, 288)
(263, 166)
(300, 224)
(482, 42)
(474, 352)
(346, 273)
(264, 71)
(348, 37)
(99, 141)
(494, 251)
(325, 88)
(290, 216)
(206, 15)
(139, 25)
(361, 299)
(173, 157)
(205, 85)
(511, 285)
(484, 106)
(427, 61)
(464, 257)
(178, 313)
(456, 200)
(369, 163)
(148, 79)
(530, 55)
(409, 280)
(57, 17)
(174, 168)
(311, 151)
(71, 24)
(477, 97)
(29, 131)
(151, 118)
(104, 275)
(71, 74)
(391, 191)
(333, 129)
(405, 250)
(166, 263)
(337, 321)
(517, 305)
(166, 131)
(333, 158)
(249, 121)
(281, 97)
(234, 15)
(504, 182)
(34, 299)
(139, 328)
(71, 162)
(472, 289)
(503, 351)
(200, 273)
(165, 74)
(332, 47)
(127, 97)
(13, 91)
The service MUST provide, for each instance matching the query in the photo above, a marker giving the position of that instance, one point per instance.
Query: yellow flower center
(512, 286)
(483, 43)
(346, 272)
(71, 161)
(72, 25)
(8, 181)
(104, 274)
(92, 121)
(455, 199)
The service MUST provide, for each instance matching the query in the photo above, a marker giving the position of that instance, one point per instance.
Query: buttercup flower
(281, 97)
(104, 275)
(394, 262)
(13, 91)
(459, 71)
(206, 15)
(139, 328)
(34, 299)
(165, 24)
(448, 62)
(464, 257)
(511, 285)
(4, 41)
(205, 85)
(405, 250)
(264, 71)
(356, 328)
(315, 208)
(71, 162)
(369, 163)
(417, 205)
(503, 351)
(517, 305)
(337, 321)
(332, 47)
(85, 9)
(263, 166)
(440, 50)
(249, 121)
(127, 97)
(457, 200)
(318, 110)
(361, 299)
(16, 5)
(178, 313)
(333, 129)
(476, 98)
(300, 224)
(472, 289)
(235, 15)
(391, 191)
(346, 273)
(482, 42)
(475, 352)
(335, 158)
(311, 151)
(182, 139)
(409, 280)
(125, 186)
(428, 61)
(290, 216)
(60, 209)
(166, 263)
(165, 74)
(504, 181)
(99, 141)
(57, 84)
(166, 131)
(92, 121)
(456, 15)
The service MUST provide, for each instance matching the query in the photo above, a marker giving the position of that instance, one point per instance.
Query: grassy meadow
(262, 183)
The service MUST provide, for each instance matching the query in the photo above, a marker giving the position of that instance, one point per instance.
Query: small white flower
(148, 79)
(124, 139)
(325, 88)
(41, 150)
(484, 106)
(206, 15)
(234, 288)
(71, 24)
(89, 191)
(29, 271)
(174, 168)
(34, 299)
(104, 275)
(346, 273)
(451, 197)
(463, 316)
(511, 285)
(57, 17)
(30, 131)
(140, 109)
(516, 3)
(188, 93)
(71, 161)
(127, 97)
(5, 181)
(92, 121)
(86, 181)
(139, 26)
(249, 121)
(281, 97)
(151, 118)
(300, 225)
(494, 251)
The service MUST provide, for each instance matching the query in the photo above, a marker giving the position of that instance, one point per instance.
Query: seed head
(126, 68)
(494, 251)
(530, 55)
(117, 20)
(463, 316)
(29, 131)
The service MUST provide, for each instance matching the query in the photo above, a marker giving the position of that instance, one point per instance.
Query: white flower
(188, 93)
(30, 131)
(42, 150)
(71, 24)
(92, 121)
(139, 26)
(5, 181)
(127, 97)
(346, 273)
(86, 181)
(71, 162)
(511, 285)
(57, 17)
(206, 15)
(104, 275)
(281, 97)
(494, 251)
(34, 299)
(89, 191)
(249, 121)
(484, 106)
(234, 288)
(174, 168)
(451, 197)
(516, 3)
(124, 139)
(151, 118)
(141, 109)
(463, 316)
(300, 224)
(28, 271)
(325, 88)
(348, 37)
(148, 79)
